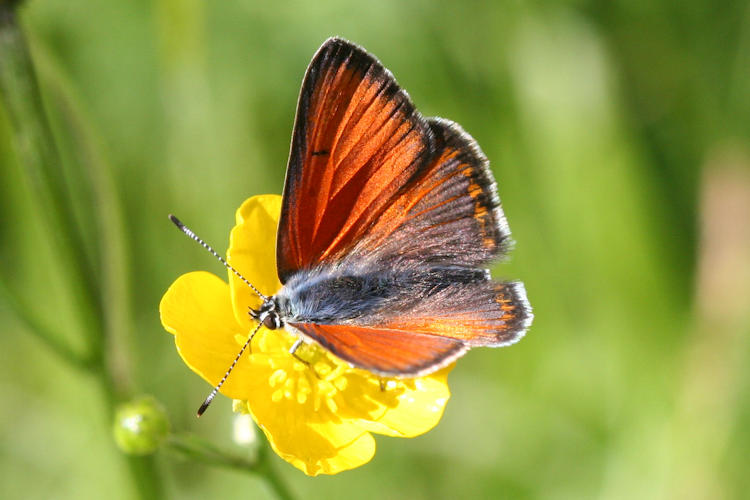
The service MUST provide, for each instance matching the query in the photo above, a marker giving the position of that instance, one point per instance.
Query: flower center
(312, 376)
(315, 377)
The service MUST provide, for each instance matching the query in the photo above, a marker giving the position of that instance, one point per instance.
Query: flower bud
(140, 426)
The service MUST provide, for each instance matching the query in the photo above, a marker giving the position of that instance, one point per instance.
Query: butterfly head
(268, 314)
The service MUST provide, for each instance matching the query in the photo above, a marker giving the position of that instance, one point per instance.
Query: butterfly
(389, 222)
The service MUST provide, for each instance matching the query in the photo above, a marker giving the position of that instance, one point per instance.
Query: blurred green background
(617, 131)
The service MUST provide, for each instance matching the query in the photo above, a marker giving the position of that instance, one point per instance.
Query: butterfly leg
(253, 313)
(382, 384)
(293, 351)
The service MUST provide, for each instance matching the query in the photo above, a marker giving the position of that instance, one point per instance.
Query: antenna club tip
(206, 403)
(201, 410)
(176, 221)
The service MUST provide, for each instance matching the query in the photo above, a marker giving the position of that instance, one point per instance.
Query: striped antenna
(182, 227)
(211, 396)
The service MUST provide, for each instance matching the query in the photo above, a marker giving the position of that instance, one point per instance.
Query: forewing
(370, 178)
(357, 141)
(448, 214)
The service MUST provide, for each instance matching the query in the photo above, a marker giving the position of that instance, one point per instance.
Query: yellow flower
(318, 415)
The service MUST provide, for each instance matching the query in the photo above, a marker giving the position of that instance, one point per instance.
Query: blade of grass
(96, 167)
(42, 167)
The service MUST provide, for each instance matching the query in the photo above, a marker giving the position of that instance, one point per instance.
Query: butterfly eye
(272, 321)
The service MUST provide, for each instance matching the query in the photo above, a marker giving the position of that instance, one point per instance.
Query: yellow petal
(351, 456)
(395, 407)
(198, 311)
(252, 251)
(420, 407)
(323, 447)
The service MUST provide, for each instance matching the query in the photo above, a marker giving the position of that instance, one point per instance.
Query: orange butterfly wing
(386, 351)
(448, 214)
(357, 141)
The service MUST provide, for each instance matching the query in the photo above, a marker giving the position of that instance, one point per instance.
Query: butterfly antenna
(205, 245)
(211, 396)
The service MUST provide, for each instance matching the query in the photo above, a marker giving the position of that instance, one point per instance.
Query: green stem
(274, 481)
(199, 450)
(147, 481)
